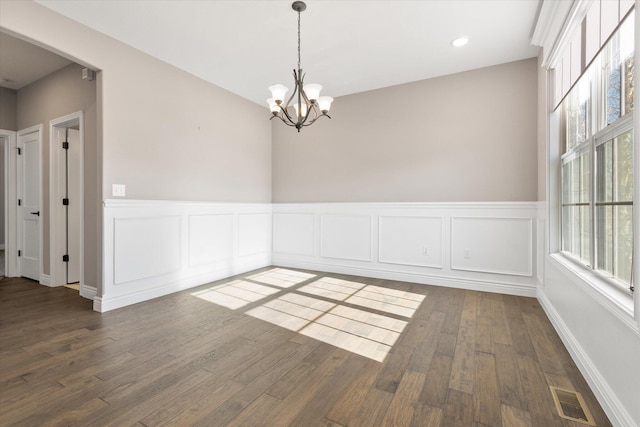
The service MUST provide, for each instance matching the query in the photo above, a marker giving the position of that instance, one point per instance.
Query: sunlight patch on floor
(375, 297)
(357, 330)
(236, 294)
(281, 277)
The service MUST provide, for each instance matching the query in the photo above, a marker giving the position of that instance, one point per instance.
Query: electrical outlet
(118, 190)
(467, 253)
(425, 251)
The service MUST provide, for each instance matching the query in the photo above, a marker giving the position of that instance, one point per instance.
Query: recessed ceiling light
(459, 42)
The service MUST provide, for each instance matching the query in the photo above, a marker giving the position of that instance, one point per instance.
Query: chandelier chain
(298, 40)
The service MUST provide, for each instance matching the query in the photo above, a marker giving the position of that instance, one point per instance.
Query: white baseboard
(88, 292)
(102, 304)
(45, 280)
(607, 398)
(450, 282)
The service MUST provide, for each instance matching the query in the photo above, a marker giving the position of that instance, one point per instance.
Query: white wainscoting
(481, 246)
(153, 248)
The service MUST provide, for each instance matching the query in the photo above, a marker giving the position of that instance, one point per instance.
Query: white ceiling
(347, 46)
(22, 63)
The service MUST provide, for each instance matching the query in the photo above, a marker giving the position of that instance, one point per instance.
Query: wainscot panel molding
(492, 245)
(153, 248)
(481, 246)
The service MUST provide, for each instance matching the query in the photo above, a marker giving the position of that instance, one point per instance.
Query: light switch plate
(118, 190)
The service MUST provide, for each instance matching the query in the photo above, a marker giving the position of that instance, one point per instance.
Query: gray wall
(163, 133)
(2, 193)
(8, 120)
(61, 93)
(465, 137)
(543, 102)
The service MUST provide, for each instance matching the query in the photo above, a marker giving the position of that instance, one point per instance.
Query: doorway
(67, 199)
(30, 224)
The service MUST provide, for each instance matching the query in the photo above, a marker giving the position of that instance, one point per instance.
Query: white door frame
(57, 226)
(43, 279)
(10, 203)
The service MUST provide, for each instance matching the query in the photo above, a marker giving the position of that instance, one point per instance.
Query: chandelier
(308, 106)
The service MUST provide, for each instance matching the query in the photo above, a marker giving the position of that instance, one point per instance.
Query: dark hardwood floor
(279, 347)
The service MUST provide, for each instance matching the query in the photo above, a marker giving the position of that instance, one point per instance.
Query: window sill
(617, 300)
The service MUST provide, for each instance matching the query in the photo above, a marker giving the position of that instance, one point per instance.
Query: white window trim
(616, 298)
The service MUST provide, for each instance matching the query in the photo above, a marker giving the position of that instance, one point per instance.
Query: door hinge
(19, 202)
(19, 150)
(65, 145)
(65, 202)
(65, 258)
(19, 252)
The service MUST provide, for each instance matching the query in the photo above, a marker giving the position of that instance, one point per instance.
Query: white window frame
(615, 291)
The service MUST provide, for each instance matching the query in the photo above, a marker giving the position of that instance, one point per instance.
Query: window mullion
(592, 203)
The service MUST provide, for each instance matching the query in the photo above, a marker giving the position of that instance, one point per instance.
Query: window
(576, 212)
(597, 167)
(614, 206)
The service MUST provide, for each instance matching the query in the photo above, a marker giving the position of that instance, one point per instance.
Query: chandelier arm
(300, 93)
(291, 124)
(284, 112)
(293, 94)
(310, 108)
(316, 118)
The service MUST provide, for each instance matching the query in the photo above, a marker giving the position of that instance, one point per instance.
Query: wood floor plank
(257, 413)
(540, 403)
(427, 344)
(35, 411)
(484, 334)
(313, 413)
(159, 397)
(486, 396)
(544, 348)
(373, 409)
(462, 369)
(447, 343)
(345, 408)
(509, 381)
(499, 325)
(464, 358)
(436, 387)
(515, 417)
(188, 409)
(77, 415)
(427, 416)
(394, 368)
(236, 403)
(517, 328)
(402, 407)
(458, 410)
(307, 388)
